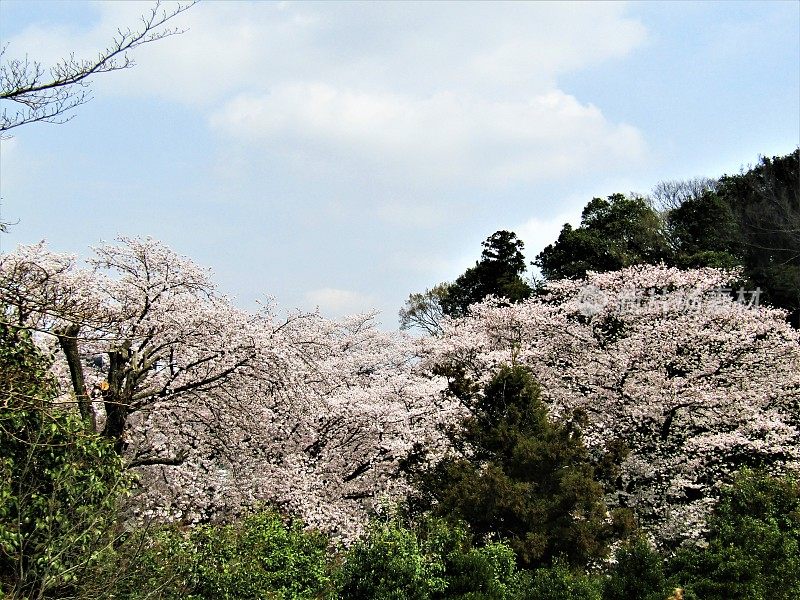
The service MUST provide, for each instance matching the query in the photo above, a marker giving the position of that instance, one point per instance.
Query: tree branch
(49, 99)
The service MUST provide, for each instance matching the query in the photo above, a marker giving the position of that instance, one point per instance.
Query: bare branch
(669, 195)
(49, 95)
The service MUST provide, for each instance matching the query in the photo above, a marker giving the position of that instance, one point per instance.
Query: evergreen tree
(520, 476)
(498, 272)
(705, 232)
(614, 233)
(766, 203)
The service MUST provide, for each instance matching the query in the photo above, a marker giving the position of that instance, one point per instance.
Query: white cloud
(406, 47)
(536, 233)
(554, 38)
(429, 266)
(444, 137)
(334, 302)
(435, 92)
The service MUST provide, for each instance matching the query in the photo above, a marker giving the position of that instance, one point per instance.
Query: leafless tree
(49, 94)
(669, 195)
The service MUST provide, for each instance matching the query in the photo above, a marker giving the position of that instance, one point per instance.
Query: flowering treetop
(218, 407)
(694, 383)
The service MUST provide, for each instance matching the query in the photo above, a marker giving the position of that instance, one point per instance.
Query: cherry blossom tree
(141, 324)
(693, 382)
(327, 446)
(218, 408)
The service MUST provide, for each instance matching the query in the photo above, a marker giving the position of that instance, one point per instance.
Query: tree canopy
(197, 395)
(753, 548)
(614, 233)
(498, 272)
(518, 474)
(694, 384)
(765, 202)
(751, 220)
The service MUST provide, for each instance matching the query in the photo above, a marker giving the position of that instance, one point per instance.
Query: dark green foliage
(753, 553)
(262, 556)
(750, 220)
(521, 476)
(753, 220)
(498, 272)
(560, 582)
(705, 233)
(637, 575)
(753, 545)
(614, 233)
(766, 203)
(432, 560)
(60, 483)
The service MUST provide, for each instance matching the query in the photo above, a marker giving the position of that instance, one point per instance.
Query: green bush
(637, 575)
(262, 556)
(434, 560)
(389, 564)
(60, 484)
(560, 582)
(753, 547)
(487, 571)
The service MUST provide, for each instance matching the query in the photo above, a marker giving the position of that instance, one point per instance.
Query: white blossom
(695, 390)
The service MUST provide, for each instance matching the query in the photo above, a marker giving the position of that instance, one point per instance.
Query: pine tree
(521, 476)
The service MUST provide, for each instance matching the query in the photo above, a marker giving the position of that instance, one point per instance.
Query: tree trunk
(68, 340)
(116, 405)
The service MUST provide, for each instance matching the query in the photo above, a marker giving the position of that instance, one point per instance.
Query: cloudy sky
(342, 155)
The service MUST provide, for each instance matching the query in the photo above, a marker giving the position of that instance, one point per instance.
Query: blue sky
(343, 155)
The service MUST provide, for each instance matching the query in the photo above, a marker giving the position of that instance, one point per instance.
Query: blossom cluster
(217, 408)
(693, 394)
(592, 300)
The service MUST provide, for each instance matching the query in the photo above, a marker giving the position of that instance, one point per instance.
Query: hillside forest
(622, 424)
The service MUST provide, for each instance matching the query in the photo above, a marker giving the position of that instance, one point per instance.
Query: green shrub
(60, 484)
(487, 571)
(637, 575)
(388, 564)
(434, 560)
(262, 556)
(753, 547)
(559, 582)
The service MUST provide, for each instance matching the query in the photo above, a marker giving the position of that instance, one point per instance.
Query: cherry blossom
(219, 408)
(694, 383)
